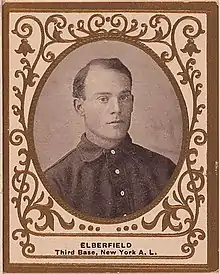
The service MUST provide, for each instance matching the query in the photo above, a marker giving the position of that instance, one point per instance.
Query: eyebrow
(109, 93)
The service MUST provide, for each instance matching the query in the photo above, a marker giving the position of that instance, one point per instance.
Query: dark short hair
(112, 63)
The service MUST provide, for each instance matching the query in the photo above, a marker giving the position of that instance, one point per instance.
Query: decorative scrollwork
(159, 30)
(99, 25)
(27, 246)
(170, 211)
(24, 181)
(16, 136)
(189, 247)
(194, 177)
(46, 211)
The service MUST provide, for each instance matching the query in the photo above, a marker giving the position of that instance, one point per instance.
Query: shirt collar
(90, 151)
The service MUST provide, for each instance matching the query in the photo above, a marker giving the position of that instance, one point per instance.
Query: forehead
(103, 78)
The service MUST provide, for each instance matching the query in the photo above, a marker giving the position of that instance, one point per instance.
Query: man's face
(108, 104)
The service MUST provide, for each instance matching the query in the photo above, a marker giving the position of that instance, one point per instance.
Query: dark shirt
(109, 183)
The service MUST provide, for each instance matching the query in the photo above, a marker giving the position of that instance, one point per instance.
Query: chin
(116, 136)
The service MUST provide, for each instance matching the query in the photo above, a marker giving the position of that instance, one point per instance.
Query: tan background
(156, 122)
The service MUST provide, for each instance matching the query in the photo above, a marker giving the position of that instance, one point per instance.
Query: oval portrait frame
(184, 146)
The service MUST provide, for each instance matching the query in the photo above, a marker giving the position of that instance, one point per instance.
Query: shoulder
(59, 174)
(65, 163)
(153, 159)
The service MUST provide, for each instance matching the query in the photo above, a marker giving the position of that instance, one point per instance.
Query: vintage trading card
(110, 137)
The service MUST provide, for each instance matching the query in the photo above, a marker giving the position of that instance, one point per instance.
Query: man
(107, 175)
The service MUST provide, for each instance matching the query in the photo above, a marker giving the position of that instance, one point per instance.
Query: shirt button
(122, 193)
(117, 171)
(113, 151)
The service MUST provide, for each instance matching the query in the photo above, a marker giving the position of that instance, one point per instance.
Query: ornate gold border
(94, 30)
(169, 211)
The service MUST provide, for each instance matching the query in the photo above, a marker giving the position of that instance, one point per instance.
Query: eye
(125, 97)
(103, 99)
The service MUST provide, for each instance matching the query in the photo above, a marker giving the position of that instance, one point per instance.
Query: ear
(78, 106)
(132, 102)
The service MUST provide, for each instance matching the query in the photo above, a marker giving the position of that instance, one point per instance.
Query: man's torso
(109, 183)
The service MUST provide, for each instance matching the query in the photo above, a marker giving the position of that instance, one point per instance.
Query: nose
(115, 105)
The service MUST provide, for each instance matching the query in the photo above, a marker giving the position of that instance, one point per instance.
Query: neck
(102, 142)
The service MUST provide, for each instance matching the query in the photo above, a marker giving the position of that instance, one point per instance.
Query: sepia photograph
(108, 129)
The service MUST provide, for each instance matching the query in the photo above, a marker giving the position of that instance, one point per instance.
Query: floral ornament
(24, 48)
(190, 47)
(57, 33)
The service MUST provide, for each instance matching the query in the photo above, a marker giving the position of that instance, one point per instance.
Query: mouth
(116, 122)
